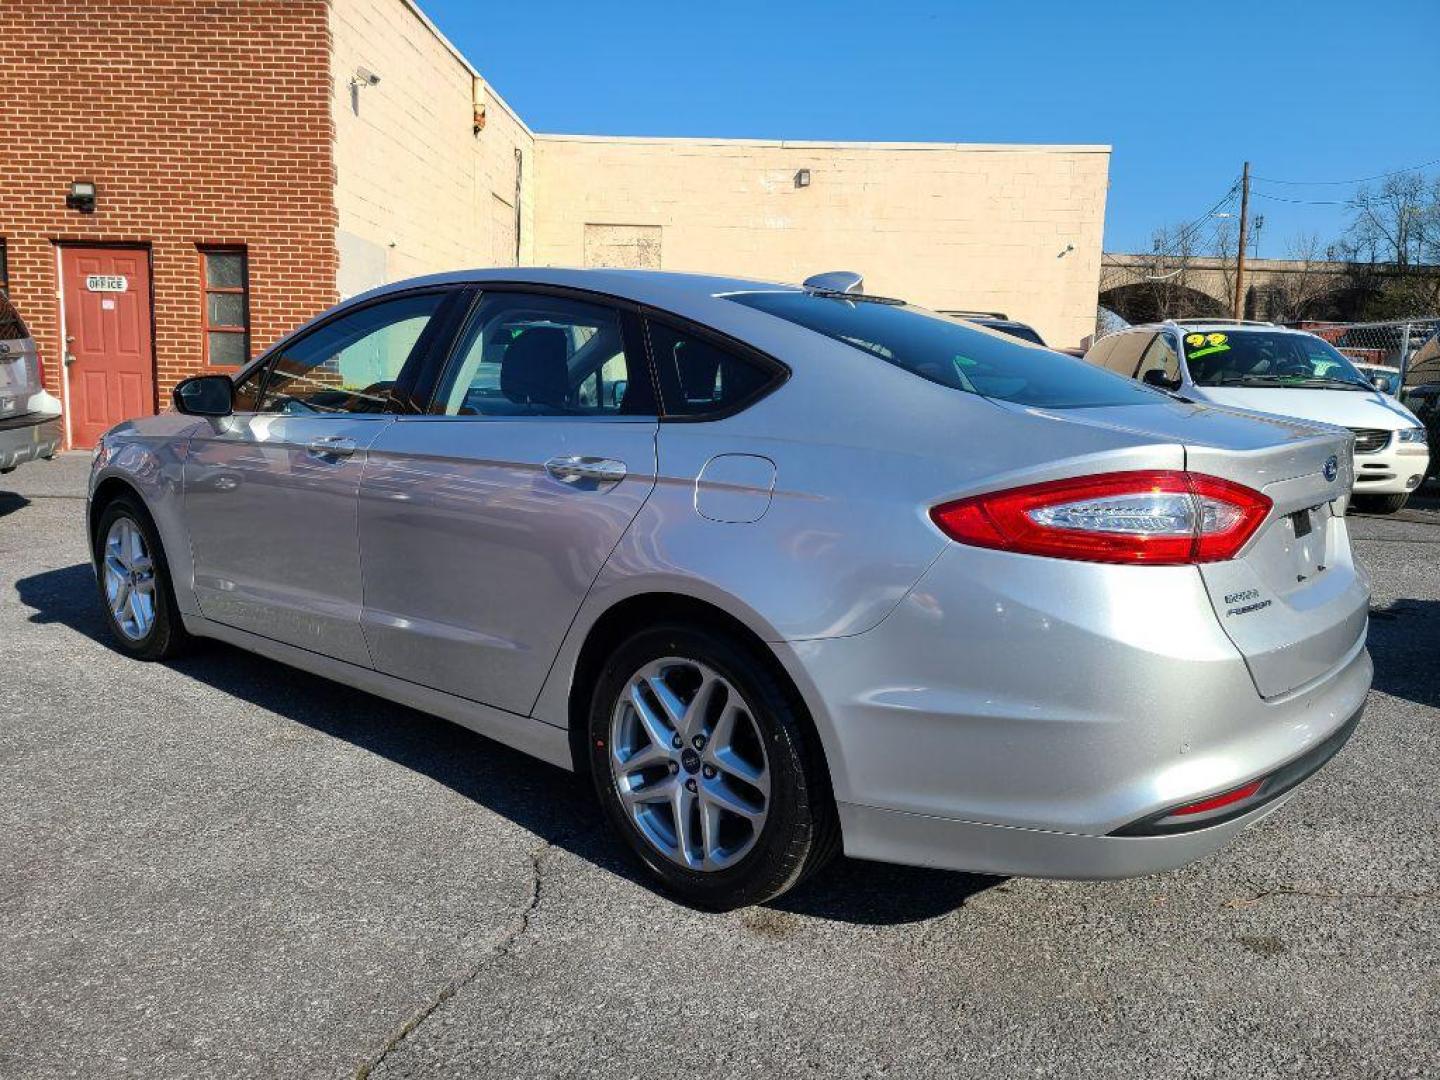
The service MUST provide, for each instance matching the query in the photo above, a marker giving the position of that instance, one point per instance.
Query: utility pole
(1238, 308)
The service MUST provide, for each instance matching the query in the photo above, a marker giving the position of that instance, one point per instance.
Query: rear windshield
(1268, 358)
(957, 355)
(11, 327)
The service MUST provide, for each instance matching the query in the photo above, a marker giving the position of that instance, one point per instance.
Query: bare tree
(1307, 288)
(1398, 222)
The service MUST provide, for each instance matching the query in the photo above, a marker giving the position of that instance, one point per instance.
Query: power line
(1305, 202)
(1359, 180)
(1189, 231)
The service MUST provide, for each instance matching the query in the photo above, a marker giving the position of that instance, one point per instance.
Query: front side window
(1160, 366)
(353, 363)
(1245, 357)
(533, 355)
(225, 285)
(953, 354)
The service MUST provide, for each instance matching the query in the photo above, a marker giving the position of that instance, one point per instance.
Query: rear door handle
(331, 446)
(577, 468)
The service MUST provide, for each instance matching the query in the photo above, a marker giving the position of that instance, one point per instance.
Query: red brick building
(206, 129)
(253, 161)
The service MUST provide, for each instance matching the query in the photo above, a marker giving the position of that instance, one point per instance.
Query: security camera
(365, 77)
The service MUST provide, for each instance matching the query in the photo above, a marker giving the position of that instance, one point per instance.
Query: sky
(1184, 92)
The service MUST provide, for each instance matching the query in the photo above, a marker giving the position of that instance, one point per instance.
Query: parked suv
(1285, 372)
(29, 417)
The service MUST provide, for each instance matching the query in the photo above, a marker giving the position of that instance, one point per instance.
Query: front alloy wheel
(128, 573)
(134, 582)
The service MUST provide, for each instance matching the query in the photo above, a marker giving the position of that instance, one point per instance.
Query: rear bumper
(948, 844)
(28, 437)
(1010, 717)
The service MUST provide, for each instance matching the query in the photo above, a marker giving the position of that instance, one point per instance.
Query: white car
(1283, 372)
(30, 424)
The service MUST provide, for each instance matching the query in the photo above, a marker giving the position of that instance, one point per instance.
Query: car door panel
(271, 501)
(477, 556)
(272, 490)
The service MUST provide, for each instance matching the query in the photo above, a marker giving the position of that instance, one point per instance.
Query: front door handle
(576, 469)
(331, 446)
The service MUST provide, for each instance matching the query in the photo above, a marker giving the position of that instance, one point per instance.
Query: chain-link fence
(1401, 358)
(1397, 355)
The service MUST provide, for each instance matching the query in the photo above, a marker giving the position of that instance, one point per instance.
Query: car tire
(763, 758)
(140, 610)
(1381, 504)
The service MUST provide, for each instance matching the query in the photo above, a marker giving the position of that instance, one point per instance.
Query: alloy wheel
(129, 575)
(689, 764)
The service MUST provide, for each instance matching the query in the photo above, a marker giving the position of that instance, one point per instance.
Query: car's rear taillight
(1164, 518)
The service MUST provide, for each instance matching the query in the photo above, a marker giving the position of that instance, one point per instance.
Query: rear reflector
(1165, 518)
(1215, 802)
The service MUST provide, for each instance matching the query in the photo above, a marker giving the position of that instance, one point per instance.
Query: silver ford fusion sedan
(784, 569)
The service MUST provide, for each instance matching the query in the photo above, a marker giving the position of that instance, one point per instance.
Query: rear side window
(1124, 358)
(950, 353)
(1100, 351)
(11, 325)
(701, 377)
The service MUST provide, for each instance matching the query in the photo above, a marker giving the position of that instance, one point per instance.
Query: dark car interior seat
(534, 370)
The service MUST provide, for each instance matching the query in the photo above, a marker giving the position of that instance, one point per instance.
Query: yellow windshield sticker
(1206, 344)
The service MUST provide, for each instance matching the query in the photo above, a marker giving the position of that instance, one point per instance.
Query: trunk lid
(1294, 602)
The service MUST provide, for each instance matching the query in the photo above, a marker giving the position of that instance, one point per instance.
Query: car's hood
(1347, 408)
(167, 425)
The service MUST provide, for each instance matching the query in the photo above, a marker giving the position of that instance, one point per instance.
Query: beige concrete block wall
(944, 225)
(415, 189)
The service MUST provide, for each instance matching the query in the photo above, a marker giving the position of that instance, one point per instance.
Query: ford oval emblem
(1332, 467)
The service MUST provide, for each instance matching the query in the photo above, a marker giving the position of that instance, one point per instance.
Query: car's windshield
(1245, 357)
(951, 353)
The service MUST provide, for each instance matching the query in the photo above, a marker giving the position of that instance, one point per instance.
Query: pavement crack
(502, 948)
(1322, 894)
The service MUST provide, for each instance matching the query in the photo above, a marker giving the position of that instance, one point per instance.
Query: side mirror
(205, 395)
(1156, 377)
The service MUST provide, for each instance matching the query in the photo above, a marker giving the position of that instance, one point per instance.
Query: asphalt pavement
(222, 866)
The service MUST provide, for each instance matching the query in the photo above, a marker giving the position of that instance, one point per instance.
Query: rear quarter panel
(861, 450)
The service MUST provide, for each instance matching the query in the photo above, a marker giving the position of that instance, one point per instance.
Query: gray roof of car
(698, 297)
(641, 286)
(1226, 325)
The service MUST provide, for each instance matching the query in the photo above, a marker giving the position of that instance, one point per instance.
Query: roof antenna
(835, 281)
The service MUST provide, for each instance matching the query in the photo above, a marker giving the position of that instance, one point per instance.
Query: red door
(109, 354)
